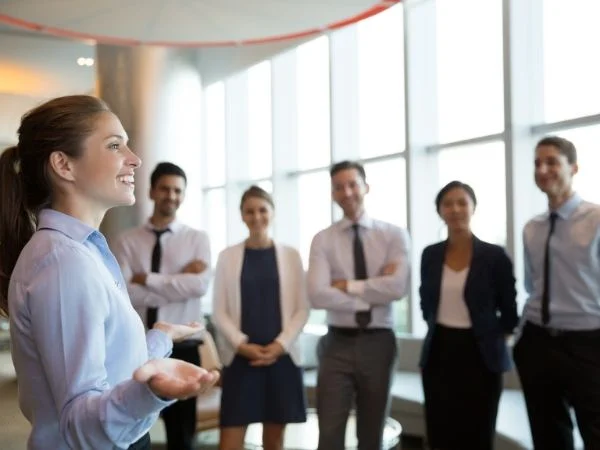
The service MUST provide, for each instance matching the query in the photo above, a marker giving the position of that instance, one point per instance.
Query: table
(304, 436)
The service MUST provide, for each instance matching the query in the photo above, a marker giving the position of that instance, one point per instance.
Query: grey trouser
(354, 368)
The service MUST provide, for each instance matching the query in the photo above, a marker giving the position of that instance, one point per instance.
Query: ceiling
(193, 23)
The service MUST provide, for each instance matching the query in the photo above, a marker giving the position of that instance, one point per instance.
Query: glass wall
(428, 91)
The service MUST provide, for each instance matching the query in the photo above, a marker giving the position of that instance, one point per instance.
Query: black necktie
(363, 318)
(546, 291)
(152, 313)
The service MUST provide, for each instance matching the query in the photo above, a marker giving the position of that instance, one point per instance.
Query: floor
(14, 428)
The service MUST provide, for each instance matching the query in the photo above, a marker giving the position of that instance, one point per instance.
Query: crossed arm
(158, 289)
(391, 283)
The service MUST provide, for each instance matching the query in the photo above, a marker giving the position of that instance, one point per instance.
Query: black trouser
(142, 443)
(180, 417)
(560, 370)
(461, 393)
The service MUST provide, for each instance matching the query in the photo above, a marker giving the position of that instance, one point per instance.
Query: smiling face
(257, 214)
(103, 176)
(348, 190)
(456, 209)
(168, 193)
(553, 172)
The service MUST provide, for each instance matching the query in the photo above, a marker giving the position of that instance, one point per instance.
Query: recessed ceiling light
(85, 61)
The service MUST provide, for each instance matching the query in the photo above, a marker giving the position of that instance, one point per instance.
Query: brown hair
(61, 124)
(258, 192)
(564, 147)
(347, 165)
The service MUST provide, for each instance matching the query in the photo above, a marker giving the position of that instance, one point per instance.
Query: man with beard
(358, 267)
(166, 264)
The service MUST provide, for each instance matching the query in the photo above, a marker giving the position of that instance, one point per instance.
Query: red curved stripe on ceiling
(13, 21)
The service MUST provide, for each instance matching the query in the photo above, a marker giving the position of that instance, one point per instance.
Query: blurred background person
(468, 300)
(166, 266)
(260, 308)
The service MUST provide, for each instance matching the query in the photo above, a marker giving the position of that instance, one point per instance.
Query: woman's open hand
(175, 379)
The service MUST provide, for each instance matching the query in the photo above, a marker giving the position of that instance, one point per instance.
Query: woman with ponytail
(89, 377)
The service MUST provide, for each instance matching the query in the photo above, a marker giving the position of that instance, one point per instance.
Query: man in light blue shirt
(358, 267)
(557, 355)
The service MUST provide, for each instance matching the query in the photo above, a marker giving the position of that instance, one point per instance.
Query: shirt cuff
(355, 287)
(139, 401)
(159, 344)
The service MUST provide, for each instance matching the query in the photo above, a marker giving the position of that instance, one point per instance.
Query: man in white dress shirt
(358, 267)
(166, 264)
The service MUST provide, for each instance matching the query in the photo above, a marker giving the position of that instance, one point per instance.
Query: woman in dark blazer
(468, 299)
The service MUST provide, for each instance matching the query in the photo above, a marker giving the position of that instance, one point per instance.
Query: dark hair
(564, 147)
(454, 185)
(61, 124)
(258, 192)
(345, 165)
(166, 168)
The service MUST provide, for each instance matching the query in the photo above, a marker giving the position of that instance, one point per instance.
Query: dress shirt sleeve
(140, 296)
(221, 314)
(159, 344)
(528, 281)
(183, 286)
(506, 300)
(320, 292)
(384, 289)
(68, 317)
(300, 310)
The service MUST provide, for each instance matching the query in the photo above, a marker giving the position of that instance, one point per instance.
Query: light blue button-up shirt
(76, 341)
(574, 266)
(332, 258)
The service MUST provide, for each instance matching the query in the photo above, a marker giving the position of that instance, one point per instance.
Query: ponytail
(17, 223)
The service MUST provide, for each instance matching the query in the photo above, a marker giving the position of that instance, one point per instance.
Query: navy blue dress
(275, 393)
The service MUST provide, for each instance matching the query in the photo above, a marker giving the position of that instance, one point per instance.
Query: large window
(387, 195)
(313, 104)
(482, 167)
(271, 122)
(215, 220)
(381, 83)
(571, 64)
(259, 121)
(469, 68)
(214, 170)
(314, 205)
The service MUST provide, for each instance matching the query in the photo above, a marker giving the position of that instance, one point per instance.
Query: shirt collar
(568, 208)
(173, 226)
(67, 225)
(364, 221)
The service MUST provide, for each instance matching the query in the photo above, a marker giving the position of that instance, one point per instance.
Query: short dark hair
(564, 147)
(454, 185)
(345, 165)
(166, 168)
(257, 192)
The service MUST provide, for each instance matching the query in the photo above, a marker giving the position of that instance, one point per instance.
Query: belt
(349, 331)
(561, 332)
